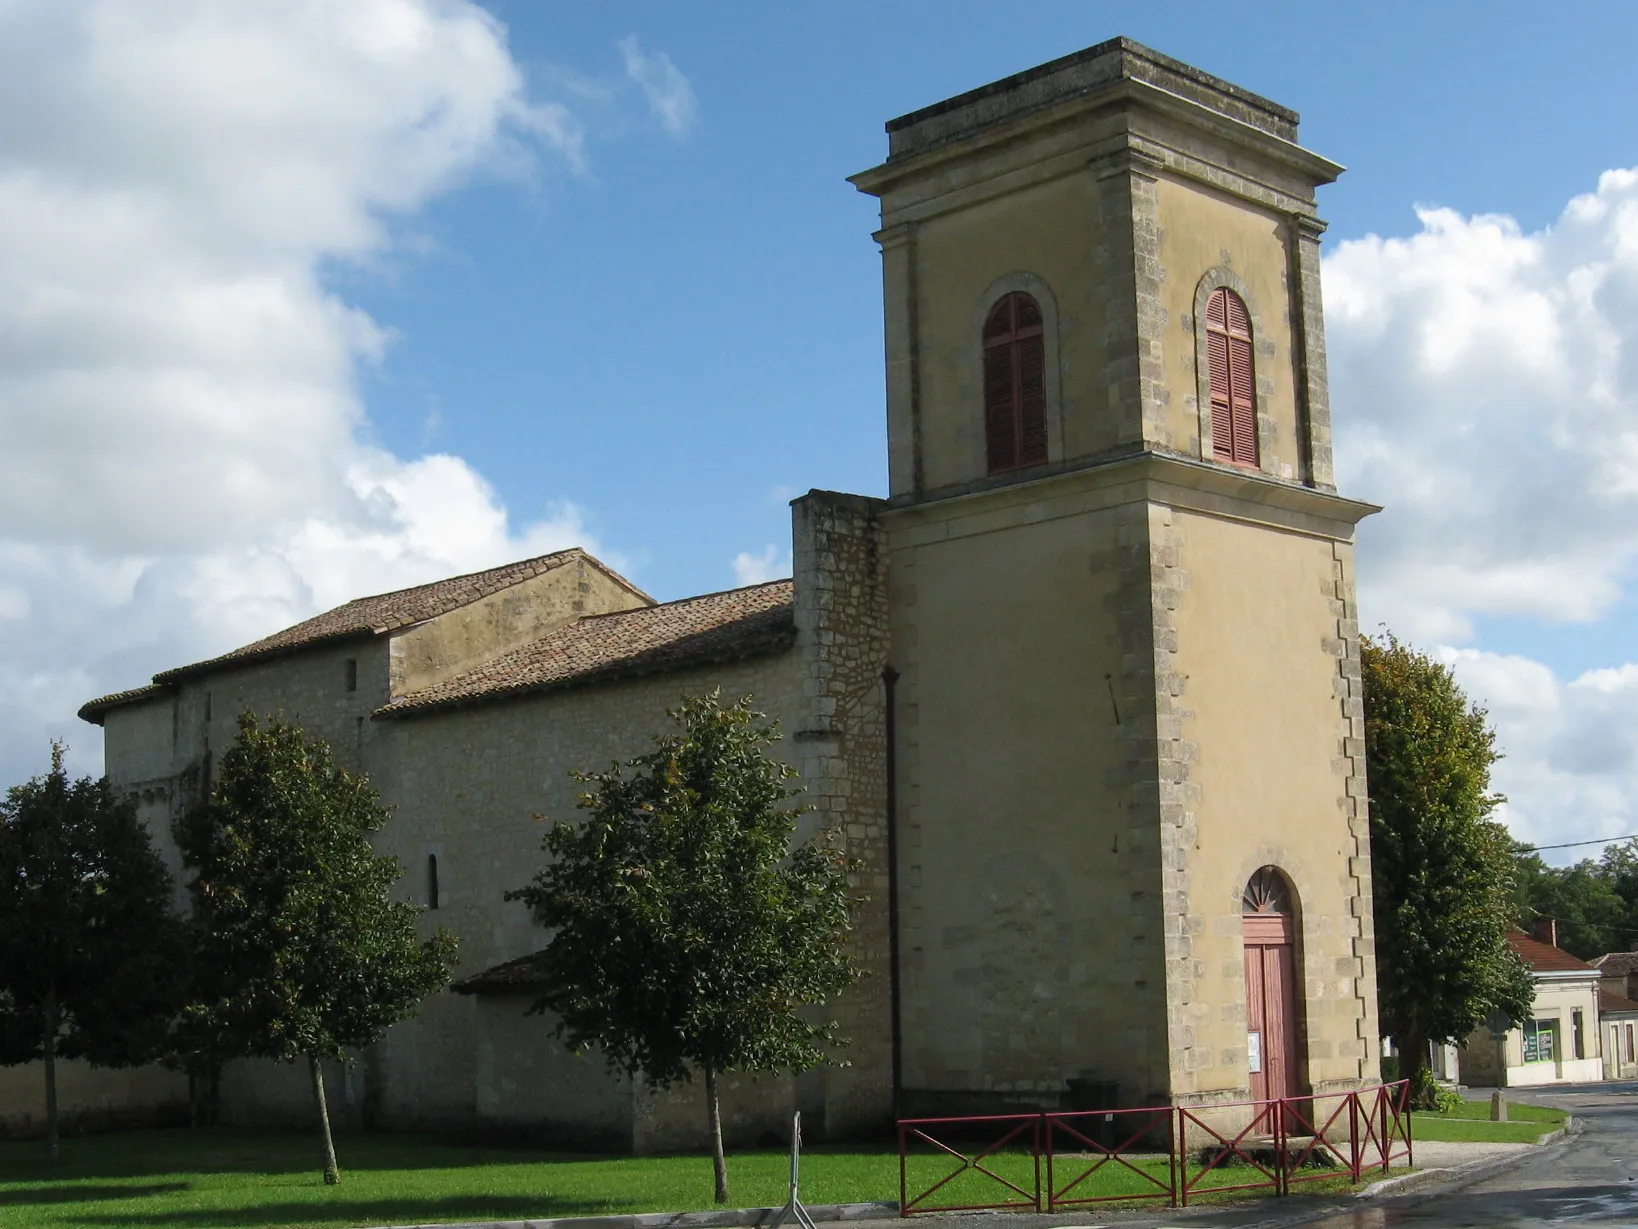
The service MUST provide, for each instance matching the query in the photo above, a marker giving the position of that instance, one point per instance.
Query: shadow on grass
(24, 1195)
(362, 1212)
(139, 1154)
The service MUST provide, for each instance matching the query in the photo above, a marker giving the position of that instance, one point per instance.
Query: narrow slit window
(351, 672)
(1229, 360)
(1015, 384)
(432, 881)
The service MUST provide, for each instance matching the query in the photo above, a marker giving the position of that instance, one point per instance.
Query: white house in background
(1560, 1043)
(1618, 1013)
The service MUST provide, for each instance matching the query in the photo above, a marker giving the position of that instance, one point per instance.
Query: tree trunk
(718, 1163)
(332, 1175)
(213, 1095)
(48, 1048)
(1413, 1066)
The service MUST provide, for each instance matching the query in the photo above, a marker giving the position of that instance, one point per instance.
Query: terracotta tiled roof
(694, 631)
(1544, 957)
(365, 616)
(521, 976)
(1616, 964)
(92, 710)
(1613, 1004)
(384, 612)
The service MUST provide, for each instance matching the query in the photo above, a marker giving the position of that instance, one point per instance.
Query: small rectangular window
(432, 881)
(352, 674)
(1576, 1032)
(1630, 1057)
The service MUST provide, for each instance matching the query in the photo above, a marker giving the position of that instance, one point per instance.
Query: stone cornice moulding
(1126, 94)
(1174, 481)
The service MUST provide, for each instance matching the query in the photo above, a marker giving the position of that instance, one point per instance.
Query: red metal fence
(1049, 1161)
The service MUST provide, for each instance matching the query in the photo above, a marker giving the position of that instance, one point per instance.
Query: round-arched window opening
(1266, 892)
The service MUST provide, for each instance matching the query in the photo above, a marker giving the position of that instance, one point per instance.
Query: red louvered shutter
(998, 425)
(1222, 418)
(1241, 401)
(1231, 377)
(1015, 384)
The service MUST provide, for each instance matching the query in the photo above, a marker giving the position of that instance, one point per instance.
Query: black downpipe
(890, 678)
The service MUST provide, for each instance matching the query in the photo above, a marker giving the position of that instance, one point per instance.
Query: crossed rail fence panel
(994, 1162)
(1321, 1136)
(1219, 1152)
(1135, 1145)
(996, 1140)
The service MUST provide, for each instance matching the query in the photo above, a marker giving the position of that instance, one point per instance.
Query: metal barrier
(1244, 1148)
(1321, 1135)
(1124, 1139)
(1004, 1132)
(1158, 1153)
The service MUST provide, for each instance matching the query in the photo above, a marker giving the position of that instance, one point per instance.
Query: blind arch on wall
(1015, 421)
(1231, 378)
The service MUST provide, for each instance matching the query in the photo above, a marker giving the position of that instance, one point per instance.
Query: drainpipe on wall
(890, 678)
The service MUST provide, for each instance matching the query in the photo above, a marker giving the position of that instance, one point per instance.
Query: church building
(1082, 692)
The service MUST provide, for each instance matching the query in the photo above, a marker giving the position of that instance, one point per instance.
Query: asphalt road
(1590, 1177)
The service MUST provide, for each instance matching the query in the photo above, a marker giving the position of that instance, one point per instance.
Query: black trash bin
(1092, 1096)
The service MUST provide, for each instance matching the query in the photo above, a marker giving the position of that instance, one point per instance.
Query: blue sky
(302, 299)
(688, 332)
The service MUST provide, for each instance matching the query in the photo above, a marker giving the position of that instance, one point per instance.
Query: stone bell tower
(1123, 625)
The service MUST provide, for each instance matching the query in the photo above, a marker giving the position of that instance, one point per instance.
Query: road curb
(726, 1218)
(1462, 1175)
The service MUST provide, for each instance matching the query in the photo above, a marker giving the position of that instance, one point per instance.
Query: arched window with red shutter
(1232, 378)
(1015, 430)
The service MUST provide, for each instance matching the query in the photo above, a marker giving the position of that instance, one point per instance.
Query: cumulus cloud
(181, 455)
(669, 94)
(1483, 379)
(770, 563)
(1485, 384)
(1570, 770)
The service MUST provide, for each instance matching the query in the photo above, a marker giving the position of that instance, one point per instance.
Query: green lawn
(256, 1179)
(1470, 1122)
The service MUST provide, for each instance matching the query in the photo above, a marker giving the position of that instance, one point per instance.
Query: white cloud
(669, 94)
(770, 563)
(1570, 770)
(1485, 387)
(182, 465)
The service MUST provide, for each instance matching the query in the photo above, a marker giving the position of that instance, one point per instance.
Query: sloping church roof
(693, 631)
(364, 616)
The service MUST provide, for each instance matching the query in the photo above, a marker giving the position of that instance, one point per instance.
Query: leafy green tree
(689, 933)
(1585, 899)
(89, 948)
(299, 946)
(1441, 867)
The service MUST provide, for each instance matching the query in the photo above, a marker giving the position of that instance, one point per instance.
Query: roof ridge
(678, 601)
(499, 567)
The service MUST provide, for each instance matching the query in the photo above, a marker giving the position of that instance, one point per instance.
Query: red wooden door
(1272, 1042)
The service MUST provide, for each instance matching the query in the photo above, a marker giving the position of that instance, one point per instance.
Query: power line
(1608, 840)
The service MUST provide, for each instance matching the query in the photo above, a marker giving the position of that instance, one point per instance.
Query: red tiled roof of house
(1544, 957)
(694, 631)
(365, 616)
(1616, 964)
(1613, 1004)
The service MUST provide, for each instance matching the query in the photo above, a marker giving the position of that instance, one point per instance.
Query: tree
(299, 945)
(689, 932)
(88, 945)
(1586, 899)
(1441, 866)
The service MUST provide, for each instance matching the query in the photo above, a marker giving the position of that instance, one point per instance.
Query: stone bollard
(1498, 1106)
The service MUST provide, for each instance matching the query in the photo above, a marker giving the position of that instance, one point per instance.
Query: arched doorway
(1268, 925)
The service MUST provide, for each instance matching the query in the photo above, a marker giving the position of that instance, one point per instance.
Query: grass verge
(1470, 1122)
(235, 1179)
